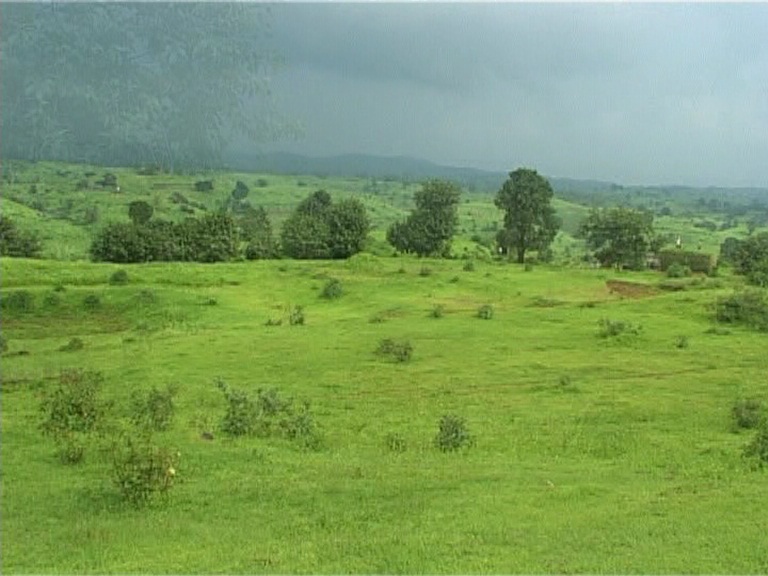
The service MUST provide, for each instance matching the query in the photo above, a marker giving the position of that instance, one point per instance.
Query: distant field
(592, 454)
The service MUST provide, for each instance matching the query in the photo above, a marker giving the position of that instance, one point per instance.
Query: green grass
(609, 455)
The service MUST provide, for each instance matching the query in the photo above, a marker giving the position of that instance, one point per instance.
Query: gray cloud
(632, 93)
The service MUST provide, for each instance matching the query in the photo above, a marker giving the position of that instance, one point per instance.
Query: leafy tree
(430, 227)
(240, 191)
(318, 228)
(119, 242)
(140, 212)
(17, 243)
(752, 259)
(730, 249)
(256, 230)
(619, 236)
(212, 238)
(177, 81)
(529, 219)
(348, 228)
(305, 237)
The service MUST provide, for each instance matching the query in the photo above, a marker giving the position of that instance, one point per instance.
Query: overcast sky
(636, 94)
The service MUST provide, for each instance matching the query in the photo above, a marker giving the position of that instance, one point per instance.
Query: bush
(141, 469)
(425, 271)
(73, 345)
(3, 344)
(677, 270)
(452, 434)
(204, 186)
(119, 278)
(485, 312)
(613, 328)
(92, 301)
(438, 311)
(758, 447)
(332, 290)
(296, 317)
(397, 351)
(749, 307)
(395, 442)
(73, 411)
(747, 413)
(469, 266)
(20, 301)
(681, 342)
(154, 409)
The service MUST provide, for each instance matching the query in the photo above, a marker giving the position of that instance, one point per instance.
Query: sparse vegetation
(452, 434)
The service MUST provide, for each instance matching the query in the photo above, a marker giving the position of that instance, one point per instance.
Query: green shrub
(3, 344)
(452, 434)
(677, 270)
(296, 316)
(748, 307)
(612, 328)
(73, 345)
(395, 442)
(485, 312)
(51, 300)
(681, 342)
(154, 409)
(438, 311)
(19, 301)
(332, 290)
(425, 271)
(469, 266)
(119, 278)
(747, 413)
(92, 301)
(73, 411)
(397, 351)
(141, 469)
(758, 447)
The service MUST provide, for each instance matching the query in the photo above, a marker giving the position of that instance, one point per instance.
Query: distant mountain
(414, 169)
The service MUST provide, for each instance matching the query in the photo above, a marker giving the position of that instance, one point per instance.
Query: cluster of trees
(17, 243)
(318, 228)
(748, 257)
(619, 237)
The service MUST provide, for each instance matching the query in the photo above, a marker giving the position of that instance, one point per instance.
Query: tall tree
(430, 227)
(529, 219)
(619, 237)
(159, 83)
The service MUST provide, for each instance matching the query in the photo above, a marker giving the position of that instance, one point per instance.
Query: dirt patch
(630, 289)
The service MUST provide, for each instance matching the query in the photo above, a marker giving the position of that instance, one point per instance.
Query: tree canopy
(430, 227)
(529, 219)
(619, 236)
(134, 83)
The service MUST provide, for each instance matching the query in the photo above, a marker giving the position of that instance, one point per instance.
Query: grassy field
(591, 454)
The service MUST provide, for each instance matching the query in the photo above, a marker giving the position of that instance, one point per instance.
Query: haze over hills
(414, 169)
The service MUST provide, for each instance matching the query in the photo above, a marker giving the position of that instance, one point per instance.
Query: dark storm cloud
(634, 93)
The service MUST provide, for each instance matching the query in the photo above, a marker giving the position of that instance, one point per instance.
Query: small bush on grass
(452, 434)
(119, 278)
(154, 409)
(395, 442)
(332, 290)
(141, 469)
(73, 345)
(438, 311)
(485, 312)
(469, 266)
(296, 317)
(682, 342)
(612, 328)
(677, 270)
(274, 322)
(19, 301)
(747, 413)
(749, 307)
(72, 412)
(51, 300)
(757, 449)
(425, 271)
(91, 301)
(393, 350)
(3, 344)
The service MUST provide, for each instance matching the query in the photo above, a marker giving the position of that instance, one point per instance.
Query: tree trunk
(521, 255)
